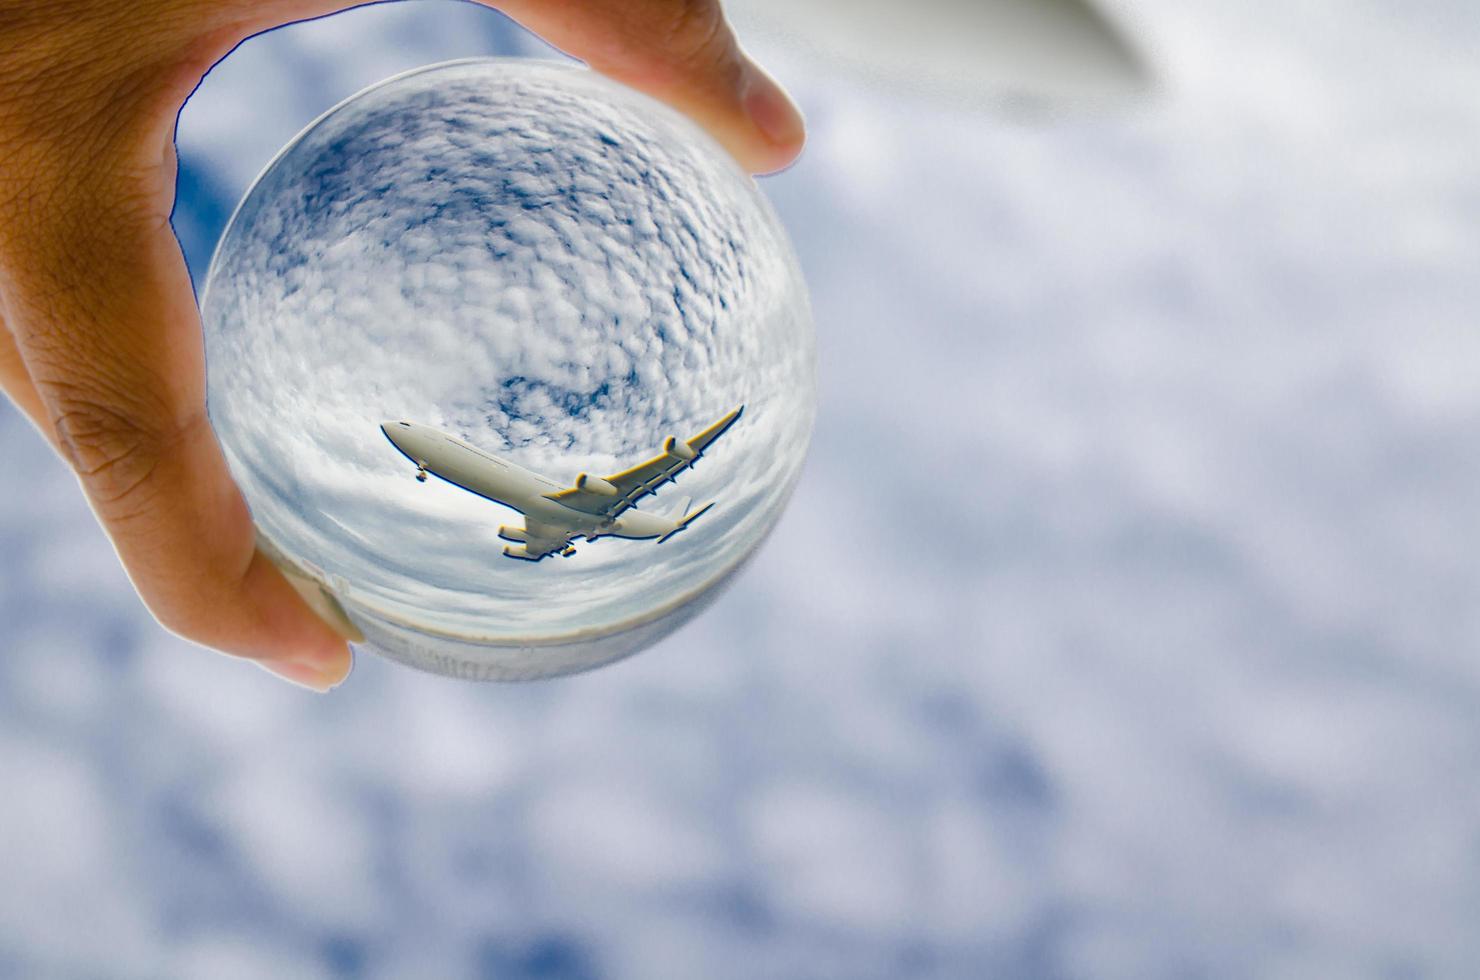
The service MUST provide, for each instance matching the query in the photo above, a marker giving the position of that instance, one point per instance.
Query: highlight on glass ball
(514, 364)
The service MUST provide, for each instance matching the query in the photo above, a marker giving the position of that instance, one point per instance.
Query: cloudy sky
(1123, 624)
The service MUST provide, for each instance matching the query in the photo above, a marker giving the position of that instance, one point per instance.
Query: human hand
(100, 337)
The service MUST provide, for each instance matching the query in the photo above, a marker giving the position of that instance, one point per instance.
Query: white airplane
(554, 516)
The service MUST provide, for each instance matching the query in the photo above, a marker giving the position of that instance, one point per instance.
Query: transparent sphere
(541, 271)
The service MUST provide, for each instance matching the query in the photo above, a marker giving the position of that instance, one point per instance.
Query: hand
(101, 342)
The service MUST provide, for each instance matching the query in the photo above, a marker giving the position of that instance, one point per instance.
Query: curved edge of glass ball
(469, 659)
(473, 658)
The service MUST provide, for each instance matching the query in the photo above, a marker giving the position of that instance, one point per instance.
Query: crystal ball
(515, 365)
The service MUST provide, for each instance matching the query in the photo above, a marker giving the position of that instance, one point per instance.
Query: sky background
(1123, 624)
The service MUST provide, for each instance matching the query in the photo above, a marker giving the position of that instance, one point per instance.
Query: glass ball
(564, 291)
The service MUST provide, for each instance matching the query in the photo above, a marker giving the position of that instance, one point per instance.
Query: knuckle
(112, 448)
(696, 33)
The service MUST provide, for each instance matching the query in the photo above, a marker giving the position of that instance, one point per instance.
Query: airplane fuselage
(507, 483)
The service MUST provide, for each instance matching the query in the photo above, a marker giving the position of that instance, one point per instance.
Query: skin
(100, 337)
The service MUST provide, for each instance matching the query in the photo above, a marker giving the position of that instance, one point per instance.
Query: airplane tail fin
(687, 519)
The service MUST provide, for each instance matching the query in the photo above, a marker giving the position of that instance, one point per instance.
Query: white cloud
(306, 841)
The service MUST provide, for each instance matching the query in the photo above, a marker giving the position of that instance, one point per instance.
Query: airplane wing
(537, 541)
(610, 496)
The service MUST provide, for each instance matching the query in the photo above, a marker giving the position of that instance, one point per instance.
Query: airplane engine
(513, 533)
(595, 484)
(678, 450)
(517, 551)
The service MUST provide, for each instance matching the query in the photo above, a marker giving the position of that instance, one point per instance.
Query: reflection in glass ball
(542, 270)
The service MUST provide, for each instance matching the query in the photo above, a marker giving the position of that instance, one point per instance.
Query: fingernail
(316, 675)
(772, 110)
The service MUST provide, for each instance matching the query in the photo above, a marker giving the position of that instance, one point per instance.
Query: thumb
(684, 53)
(113, 349)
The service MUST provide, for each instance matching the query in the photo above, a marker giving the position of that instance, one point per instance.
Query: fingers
(104, 322)
(682, 52)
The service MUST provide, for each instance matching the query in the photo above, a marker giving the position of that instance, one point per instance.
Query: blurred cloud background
(1124, 623)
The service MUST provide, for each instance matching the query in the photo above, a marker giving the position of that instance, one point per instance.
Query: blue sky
(1123, 624)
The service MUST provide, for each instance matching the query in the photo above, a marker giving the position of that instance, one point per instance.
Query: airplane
(554, 515)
